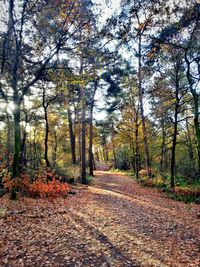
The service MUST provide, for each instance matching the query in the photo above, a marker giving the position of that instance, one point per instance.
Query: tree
(139, 18)
(189, 45)
(30, 43)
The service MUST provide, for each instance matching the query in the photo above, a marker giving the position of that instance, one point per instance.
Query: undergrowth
(43, 185)
(188, 192)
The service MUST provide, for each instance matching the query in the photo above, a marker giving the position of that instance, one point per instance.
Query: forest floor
(115, 222)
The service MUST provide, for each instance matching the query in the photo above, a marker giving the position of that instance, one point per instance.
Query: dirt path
(114, 222)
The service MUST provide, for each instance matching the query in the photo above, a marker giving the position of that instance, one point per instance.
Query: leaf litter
(113, 222)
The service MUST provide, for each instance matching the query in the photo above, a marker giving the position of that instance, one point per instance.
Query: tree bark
(196, 107)
(137, 164)
(45, 107)
(79, 135)
(72, 135)
(23, 145)
(190, 149)
(163, 145)
(23, 148)
(197, 127)
(91, 157)
(17, 140)
(83, 135)
(46, 138)
(177, 105)
(132, 155)
(8, 141)
(173, 157)
(144, 131)
(55, 149)
(113, 145)
(83, 129)
(16, 98)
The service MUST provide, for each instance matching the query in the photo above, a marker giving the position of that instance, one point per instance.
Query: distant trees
(165, 56)
(138, 18)
(183, 44)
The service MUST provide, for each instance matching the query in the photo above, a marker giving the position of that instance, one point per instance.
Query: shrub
(147, 182)
(52, 188)
(159, 182)
(187, 191)
(144, 173)
(45, 185)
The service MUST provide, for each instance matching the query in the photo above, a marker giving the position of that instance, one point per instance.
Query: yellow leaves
(69, 10)
(170, 102)
(52, 118)
(63, 14)
(77, 82)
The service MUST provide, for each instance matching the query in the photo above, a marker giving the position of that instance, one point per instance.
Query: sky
(107, 9)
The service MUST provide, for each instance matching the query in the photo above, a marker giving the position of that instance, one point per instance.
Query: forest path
(114, 222)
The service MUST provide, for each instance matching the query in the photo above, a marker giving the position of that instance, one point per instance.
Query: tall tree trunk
(16, 97)
(72, 135)
(55, 149)
(114, 154)
(132, 155)
(196, 106)
(113, 145)
(45, 107)
(17, 141)
(190, 149)
(23, 148)
(137, 156)
(46, 148)
(144, 131)
(163, 145)
(173, 156)
(91, 157)
(83, 129)
(79, 135)
(83, 135)
(23, 145)
(14, 84)
(35, 152)
(197, 127)
(8, 141)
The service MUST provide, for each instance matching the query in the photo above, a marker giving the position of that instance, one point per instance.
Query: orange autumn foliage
(52, 188)
(40, 187)
(187, 191)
